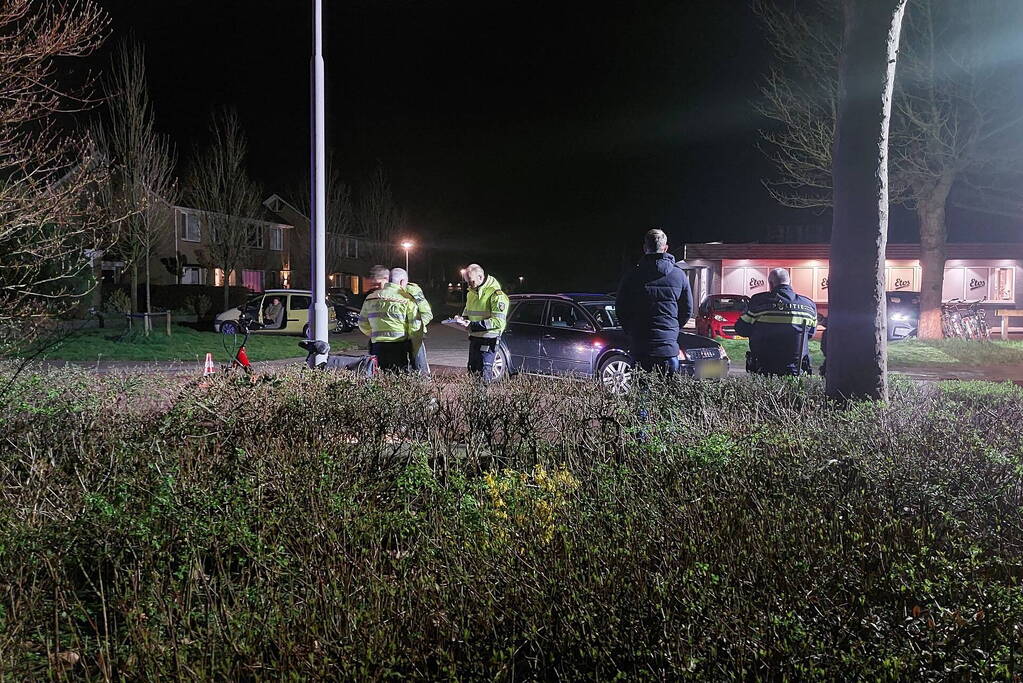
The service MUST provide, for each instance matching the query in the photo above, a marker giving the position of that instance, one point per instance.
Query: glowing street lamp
(406, 245)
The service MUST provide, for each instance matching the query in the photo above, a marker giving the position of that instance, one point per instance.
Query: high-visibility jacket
(486, 308)
(779, 325)
(388, 315)
(425, 312)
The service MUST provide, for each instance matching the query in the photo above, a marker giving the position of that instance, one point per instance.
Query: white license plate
(710, 369)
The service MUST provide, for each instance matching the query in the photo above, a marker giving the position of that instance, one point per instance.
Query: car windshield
(731, 303)
(905, 299)
(253, 304)
(604, 312)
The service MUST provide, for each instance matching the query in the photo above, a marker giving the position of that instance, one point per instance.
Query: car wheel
(229, 327)
(305, 331)
(500, 366)
(615, 373)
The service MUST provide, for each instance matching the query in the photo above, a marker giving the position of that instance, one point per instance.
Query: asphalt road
(445, 346)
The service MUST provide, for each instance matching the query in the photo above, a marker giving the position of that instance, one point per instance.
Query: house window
(255, 240)
(276, 239)
(188, 227)
(193, 275)
(218, 277)
(253, 280)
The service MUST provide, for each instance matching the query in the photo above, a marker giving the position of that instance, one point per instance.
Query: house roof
(719, 251)
(265, 216)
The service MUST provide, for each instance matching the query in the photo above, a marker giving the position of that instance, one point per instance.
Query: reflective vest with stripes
(388, 315)
(487, 305)
(425, 311)
(779, 325)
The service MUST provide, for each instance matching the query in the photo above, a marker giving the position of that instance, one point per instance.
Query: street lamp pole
(317, 229)
(406, 245)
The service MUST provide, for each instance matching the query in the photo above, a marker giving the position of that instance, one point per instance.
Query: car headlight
(900, 316)
(682, 355)
(720, 318)
(722, 354)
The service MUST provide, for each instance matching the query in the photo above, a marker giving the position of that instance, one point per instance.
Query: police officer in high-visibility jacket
(388, 317)
(425, 315)
(779, 324)
(485, 316)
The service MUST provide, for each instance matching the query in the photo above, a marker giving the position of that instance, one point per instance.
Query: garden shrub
(319, 525)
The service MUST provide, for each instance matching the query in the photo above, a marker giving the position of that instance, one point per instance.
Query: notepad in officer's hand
(456, 322)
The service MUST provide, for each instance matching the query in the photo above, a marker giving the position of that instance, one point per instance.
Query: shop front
(973, 272)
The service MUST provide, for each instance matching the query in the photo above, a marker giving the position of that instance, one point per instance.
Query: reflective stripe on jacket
(388, 315)
(488, 306)
(779, 325)
(425, 312)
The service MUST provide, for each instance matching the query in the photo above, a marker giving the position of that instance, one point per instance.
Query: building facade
(988, 272)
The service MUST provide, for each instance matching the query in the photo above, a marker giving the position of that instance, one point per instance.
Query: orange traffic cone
(208, 368)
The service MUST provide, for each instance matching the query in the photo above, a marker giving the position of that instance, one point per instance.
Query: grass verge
(921, 353)
(184, 344)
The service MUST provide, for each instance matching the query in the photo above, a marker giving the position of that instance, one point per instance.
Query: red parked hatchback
(717, 315)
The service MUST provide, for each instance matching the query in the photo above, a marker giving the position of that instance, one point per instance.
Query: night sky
(551, 135)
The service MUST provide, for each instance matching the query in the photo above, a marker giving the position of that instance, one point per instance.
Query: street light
(318, 163)
(406, 245)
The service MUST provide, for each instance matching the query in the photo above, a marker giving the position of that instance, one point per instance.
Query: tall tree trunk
(134, 288)
(227, 290)
(933, 234)
(857, 360)
(149, 299)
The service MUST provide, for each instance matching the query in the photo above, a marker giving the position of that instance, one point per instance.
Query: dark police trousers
(481, 357)
(664, 366)
(393, 356)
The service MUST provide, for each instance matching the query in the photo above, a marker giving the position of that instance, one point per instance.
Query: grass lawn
(915, 352)
(184, 344)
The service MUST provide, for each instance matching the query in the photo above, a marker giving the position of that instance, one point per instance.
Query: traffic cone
(243, 358)
(208, 368)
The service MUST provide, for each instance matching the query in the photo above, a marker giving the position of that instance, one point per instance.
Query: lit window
(253, 280)
(1001, 284)
(193, 275)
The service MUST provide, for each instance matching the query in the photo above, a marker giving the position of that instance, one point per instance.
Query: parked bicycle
(962, 319)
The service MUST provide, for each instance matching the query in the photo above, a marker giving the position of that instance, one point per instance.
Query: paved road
(448, 349)
(445, 346)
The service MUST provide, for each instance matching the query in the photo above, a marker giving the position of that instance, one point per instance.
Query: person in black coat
(779, 324)
(654, 303)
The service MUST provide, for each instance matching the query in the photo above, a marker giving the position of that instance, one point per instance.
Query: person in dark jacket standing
(779, 324)
(654, 303)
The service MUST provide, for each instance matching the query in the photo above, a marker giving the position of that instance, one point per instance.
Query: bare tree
(141, 187)
(47, 217)
(955, 119)
(219, 185)
(379, 217)
(341, 218)
(858, 365)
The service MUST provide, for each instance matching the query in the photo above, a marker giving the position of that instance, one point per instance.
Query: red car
(717, 315)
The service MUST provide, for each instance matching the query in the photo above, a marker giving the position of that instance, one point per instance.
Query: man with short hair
(654, 303)
(425, 315)
(388, 318)
(485, 316)
(779, 324)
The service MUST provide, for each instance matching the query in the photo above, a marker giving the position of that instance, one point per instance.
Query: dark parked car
(903, 314)
(579, 334)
